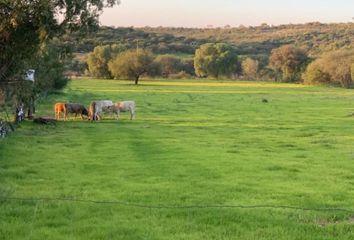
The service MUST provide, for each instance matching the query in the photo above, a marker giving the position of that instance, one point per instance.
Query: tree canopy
(26, 26)
(132, 64)
(97, 60)
(215, 60)
(334, 67)
(288, 61)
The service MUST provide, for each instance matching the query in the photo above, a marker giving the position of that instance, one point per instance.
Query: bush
(250, 68)
(215, 60)
(289, 62)
(334, 67)
(314, 75)
(168, 65)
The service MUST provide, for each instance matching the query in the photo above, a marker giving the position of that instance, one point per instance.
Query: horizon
(190, 14)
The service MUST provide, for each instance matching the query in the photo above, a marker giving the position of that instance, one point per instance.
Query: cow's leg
(96, 116)
(118, 114)
(132, 114)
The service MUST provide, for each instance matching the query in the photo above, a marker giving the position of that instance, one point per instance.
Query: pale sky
(200, 13)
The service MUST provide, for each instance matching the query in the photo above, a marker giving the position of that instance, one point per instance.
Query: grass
(193, 143)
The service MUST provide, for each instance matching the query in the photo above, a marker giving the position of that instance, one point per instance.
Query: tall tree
(215, 60)
(168, 64)
(97, 60)
(132, 64)
(288, 61)
(26, 26)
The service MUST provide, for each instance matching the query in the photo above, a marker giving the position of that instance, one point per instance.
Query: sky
(201, 13)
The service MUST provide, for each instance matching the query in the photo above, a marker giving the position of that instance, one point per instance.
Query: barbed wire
(196, 206)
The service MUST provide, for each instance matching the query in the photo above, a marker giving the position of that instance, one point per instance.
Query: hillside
(260, 40)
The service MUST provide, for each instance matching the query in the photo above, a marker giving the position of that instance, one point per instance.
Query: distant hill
(250, 41)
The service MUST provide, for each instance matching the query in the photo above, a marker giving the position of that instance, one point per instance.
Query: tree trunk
(31, 109)
(136, 80)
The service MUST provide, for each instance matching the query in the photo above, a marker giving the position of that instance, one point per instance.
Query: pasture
(193, 146)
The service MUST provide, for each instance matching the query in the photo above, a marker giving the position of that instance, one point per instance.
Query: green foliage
(50, 66)
(336, 66)
(131, 64)
(193, 143)
(168, 65)
(248, 41)
(215, 60)
(250, 68)
(97, 61)
(288, 61)
(26, 27)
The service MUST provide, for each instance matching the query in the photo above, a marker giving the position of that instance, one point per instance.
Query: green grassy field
(192, 144)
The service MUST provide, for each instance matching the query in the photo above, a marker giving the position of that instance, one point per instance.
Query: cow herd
(95, 109)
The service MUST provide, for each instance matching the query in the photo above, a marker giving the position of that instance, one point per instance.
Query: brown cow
(59, 108)
(75, 108)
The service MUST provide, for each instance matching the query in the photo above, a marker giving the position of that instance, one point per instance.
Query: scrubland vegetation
(285, 53)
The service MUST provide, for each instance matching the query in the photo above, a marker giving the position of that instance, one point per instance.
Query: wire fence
(158, 206)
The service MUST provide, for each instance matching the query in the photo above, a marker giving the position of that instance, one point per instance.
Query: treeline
(117, 61)
(280, 53)
(287, 63)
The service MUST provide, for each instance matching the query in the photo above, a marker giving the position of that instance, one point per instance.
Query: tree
(288, 61)
(168, 65)
(26, 26)
(334, 67)
(97, 60)
(131, 64)
(215, 60)
(314, 74)
(250, 68)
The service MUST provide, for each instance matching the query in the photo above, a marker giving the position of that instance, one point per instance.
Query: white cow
(97, 107)
(125, 106)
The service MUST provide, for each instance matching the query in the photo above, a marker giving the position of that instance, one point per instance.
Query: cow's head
(85, 112)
